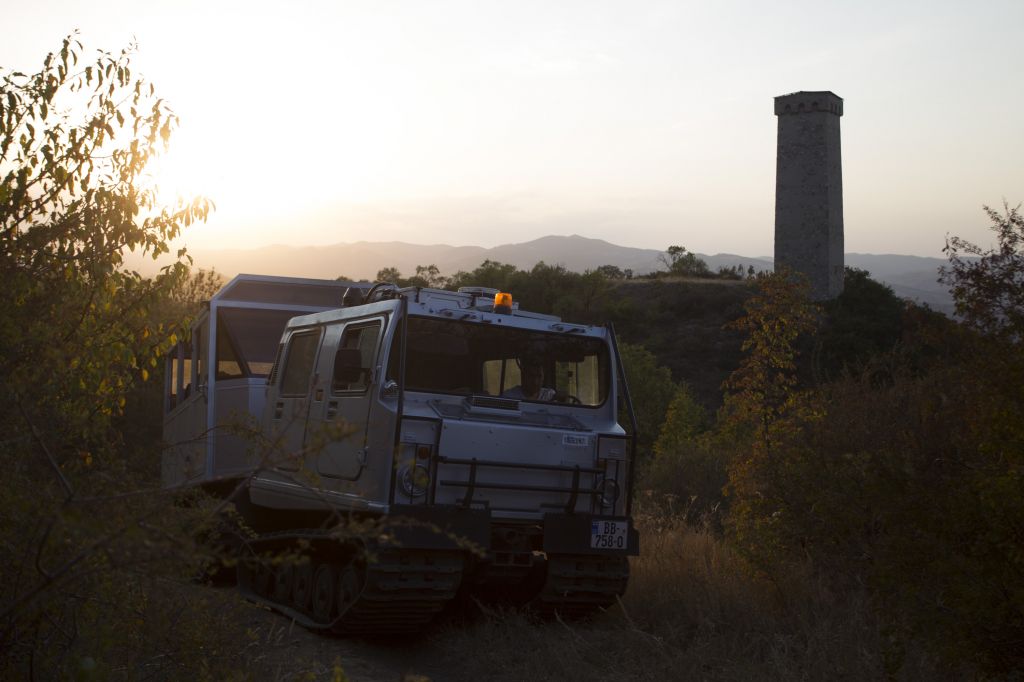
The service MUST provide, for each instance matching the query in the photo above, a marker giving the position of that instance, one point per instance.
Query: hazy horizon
(481, 123)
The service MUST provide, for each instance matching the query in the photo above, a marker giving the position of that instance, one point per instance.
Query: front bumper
(456, 527)
(570, 534)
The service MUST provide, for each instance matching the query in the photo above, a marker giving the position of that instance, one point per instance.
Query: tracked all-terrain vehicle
(401, 447)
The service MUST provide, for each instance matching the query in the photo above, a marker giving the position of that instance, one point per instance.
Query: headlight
(414, 480)
(609, 491)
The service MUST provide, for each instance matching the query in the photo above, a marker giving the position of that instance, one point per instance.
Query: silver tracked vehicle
(390, 450)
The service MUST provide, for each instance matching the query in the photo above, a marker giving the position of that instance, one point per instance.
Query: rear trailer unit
(413, 444)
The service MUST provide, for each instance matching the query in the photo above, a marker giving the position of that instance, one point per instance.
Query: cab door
(289, 409)
(341, 434)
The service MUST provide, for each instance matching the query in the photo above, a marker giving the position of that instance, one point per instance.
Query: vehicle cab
(422, 398)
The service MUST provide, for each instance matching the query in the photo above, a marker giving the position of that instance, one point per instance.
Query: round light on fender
(414, 480)
(609, 492)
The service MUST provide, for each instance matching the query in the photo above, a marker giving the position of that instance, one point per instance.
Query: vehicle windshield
(465, 358)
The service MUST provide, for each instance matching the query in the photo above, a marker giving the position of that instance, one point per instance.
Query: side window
(347, 375)
(186, 374)
(298, 364)
(202, 352)
(228, 366)
(171, 387)
(179, 374)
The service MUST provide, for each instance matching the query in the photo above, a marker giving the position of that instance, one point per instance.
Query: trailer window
(202, 353)
(247, 340)
(446, 356)
(228, 366)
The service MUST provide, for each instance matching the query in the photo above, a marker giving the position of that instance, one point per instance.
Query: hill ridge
(912, 277)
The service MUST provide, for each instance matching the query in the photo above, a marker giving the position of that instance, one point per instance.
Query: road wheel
(284, 578)
(350, 585)
(302, 586)
(325, 590)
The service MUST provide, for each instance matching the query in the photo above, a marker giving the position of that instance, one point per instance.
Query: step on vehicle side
(391, 448)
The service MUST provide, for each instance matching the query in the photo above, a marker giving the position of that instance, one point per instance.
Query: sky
(484, 123)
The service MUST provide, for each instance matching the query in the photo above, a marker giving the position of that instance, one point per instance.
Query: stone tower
(809, 190)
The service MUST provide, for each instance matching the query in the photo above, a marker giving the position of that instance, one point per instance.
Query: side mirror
(348, 367)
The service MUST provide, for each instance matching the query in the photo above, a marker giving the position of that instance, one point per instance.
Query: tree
(731, 272)
(542, 287)
(74, 142)
(863, 322)
(684, 263)
(689, 466)
(765, 410)
(685, 419)
(904, 477)
(611, 271)
(391, 274)
(346, 278)
(763, 390)
(77, 331)
(652, 390)
(988, 285)
(490, 273)
(428, 276)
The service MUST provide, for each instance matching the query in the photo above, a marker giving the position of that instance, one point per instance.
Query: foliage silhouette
(78, 334)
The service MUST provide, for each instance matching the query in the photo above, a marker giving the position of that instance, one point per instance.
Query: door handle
(278, 409)
(332, 409)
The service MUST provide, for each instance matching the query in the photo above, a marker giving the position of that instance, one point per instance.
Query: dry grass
(692, 612)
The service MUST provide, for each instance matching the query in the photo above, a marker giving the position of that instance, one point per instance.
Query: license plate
(608, 534)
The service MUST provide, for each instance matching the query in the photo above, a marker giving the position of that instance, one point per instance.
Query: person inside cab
(532, 386)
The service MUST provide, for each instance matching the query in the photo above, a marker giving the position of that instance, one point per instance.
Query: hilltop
(912, 277)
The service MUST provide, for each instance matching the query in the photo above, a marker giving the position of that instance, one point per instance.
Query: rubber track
(403, 590)
(579, 585)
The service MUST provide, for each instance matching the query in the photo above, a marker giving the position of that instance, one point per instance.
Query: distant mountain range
(913, 277)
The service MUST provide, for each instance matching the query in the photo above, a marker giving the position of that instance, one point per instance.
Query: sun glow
(256, 174)
(330, 122)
